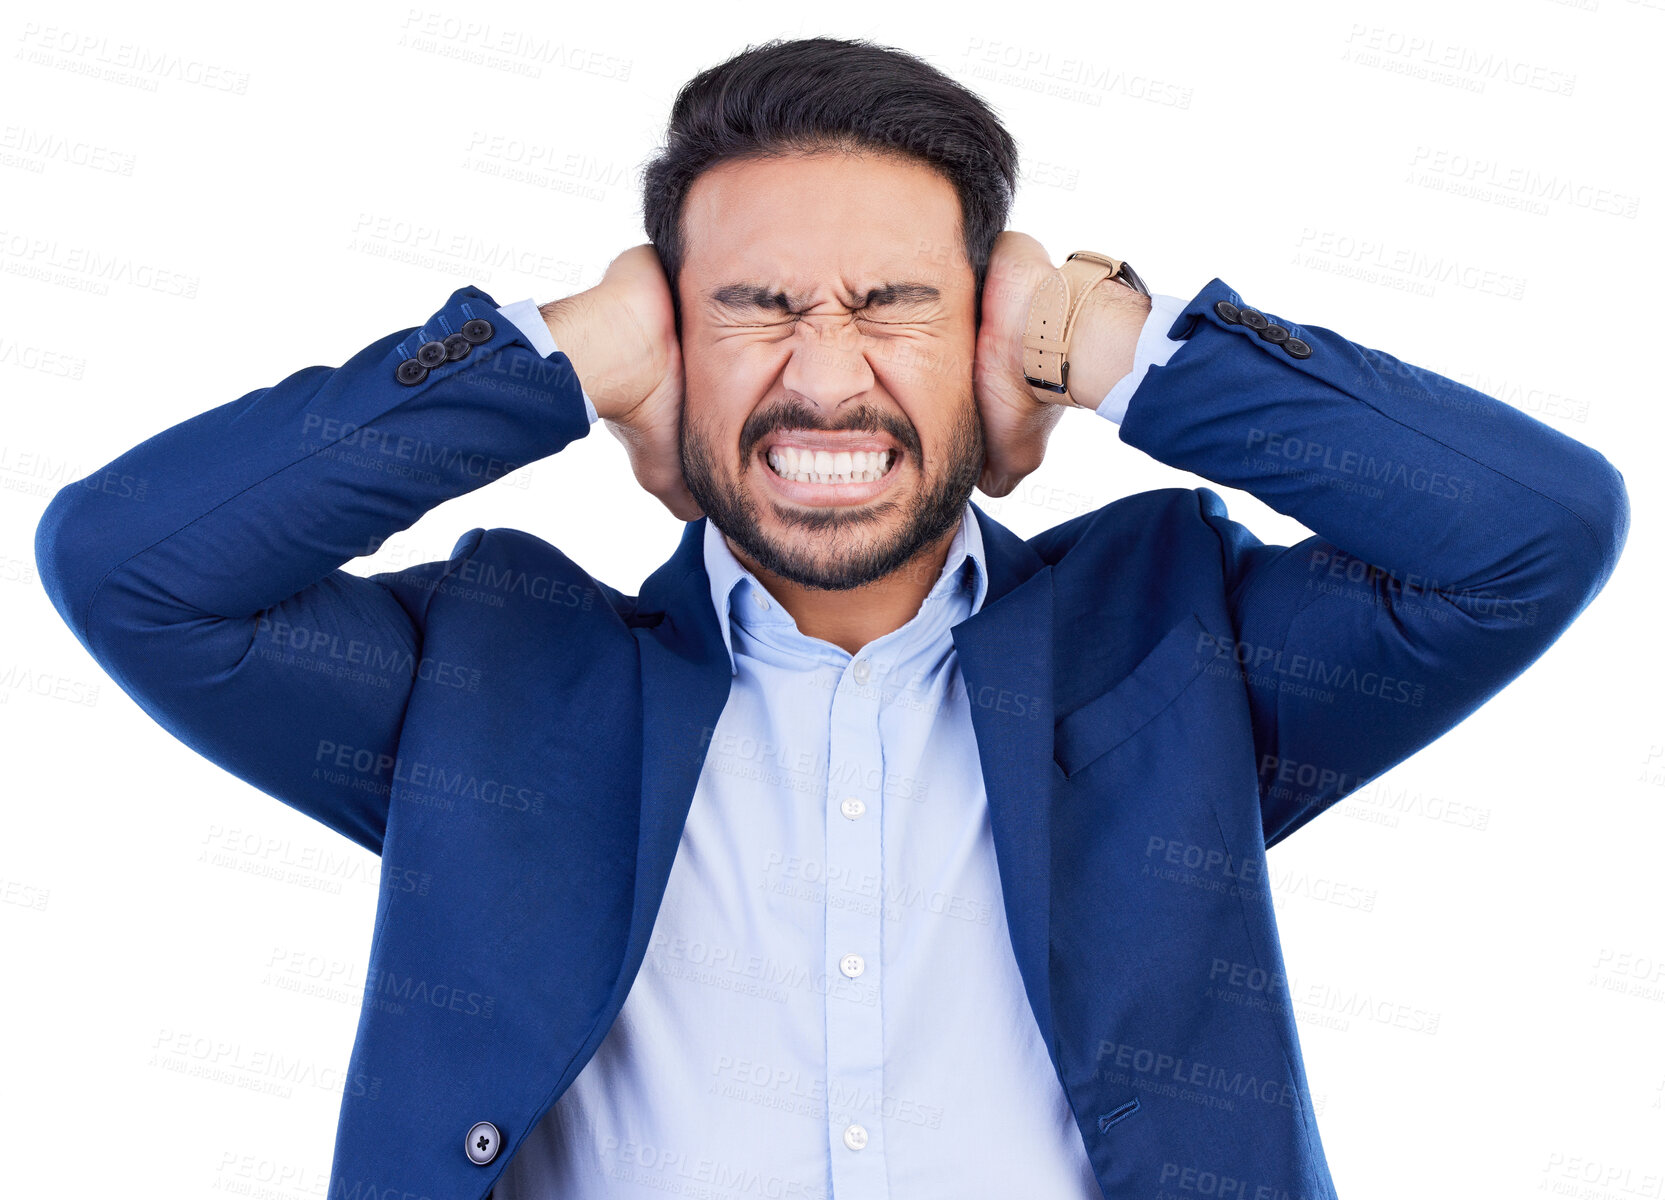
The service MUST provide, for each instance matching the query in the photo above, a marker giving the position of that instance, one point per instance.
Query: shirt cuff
(1153, 349)
(527, 318)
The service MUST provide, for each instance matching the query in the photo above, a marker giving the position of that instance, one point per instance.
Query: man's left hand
(1017, 418)
(1015, 423)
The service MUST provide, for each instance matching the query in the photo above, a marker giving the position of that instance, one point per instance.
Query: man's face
(827, 330)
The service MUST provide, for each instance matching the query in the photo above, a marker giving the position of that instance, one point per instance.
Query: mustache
(795, 414)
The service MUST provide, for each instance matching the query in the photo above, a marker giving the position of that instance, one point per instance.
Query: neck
(852, 618)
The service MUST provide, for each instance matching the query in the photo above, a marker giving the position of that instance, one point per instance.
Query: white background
(1477, 937)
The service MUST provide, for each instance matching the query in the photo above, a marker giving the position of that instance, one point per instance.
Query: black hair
(818, 94)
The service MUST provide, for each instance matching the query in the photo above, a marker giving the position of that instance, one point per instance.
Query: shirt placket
(854, 927)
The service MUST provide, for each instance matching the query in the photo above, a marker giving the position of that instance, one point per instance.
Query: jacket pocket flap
(1119, 712)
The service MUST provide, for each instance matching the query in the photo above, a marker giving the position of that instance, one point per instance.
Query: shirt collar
(965, 566)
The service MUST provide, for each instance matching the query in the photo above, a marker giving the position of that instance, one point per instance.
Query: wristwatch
(1052, 314)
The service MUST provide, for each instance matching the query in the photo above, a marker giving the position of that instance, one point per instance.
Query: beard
(836, 548)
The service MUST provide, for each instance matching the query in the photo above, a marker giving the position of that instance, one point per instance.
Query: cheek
(713, 414)
(734, 365)
(935, 370)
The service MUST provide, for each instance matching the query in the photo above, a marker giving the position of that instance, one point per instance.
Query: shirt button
(762, 600)
(852, 807)
(855, 1136)
(852, 965)
(861, 670)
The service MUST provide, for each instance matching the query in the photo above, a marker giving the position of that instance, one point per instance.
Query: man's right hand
(621, 339)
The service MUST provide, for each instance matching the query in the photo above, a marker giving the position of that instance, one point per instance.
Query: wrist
(1103, 342)
(576, 325)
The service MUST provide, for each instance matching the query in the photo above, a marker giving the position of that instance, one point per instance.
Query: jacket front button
(483, 1140)
(410, 372)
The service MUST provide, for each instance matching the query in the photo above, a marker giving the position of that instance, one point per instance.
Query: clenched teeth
(824, 466)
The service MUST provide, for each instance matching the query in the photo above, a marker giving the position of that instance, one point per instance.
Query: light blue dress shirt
(829, 1006)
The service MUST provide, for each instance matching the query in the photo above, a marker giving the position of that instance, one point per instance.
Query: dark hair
(822, 93)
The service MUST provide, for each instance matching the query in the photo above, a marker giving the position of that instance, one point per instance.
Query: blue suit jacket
(1157, 698)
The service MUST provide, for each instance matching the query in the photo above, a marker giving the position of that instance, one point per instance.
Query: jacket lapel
(1005, 657)
(685, 683)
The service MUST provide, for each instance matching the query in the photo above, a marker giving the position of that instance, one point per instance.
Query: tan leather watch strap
(1052, 315)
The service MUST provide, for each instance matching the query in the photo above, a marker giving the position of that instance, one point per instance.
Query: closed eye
(746, 301)
(792, 320)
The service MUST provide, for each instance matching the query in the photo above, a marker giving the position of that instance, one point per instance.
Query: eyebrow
(757, 295)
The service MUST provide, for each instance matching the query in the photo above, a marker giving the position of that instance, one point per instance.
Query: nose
(827, 364)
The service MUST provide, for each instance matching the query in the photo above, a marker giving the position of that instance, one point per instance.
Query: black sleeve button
(1227, 312)
(477, 331)
(410, 372)
(457, 346)
(430, 354)
(1296, 348)
(1253, 318)
(1275, 334)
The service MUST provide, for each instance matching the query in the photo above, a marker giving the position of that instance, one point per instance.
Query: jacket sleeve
(202, 568)
(1456, 539)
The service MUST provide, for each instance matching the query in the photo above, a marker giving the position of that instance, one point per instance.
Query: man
(943, 850)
